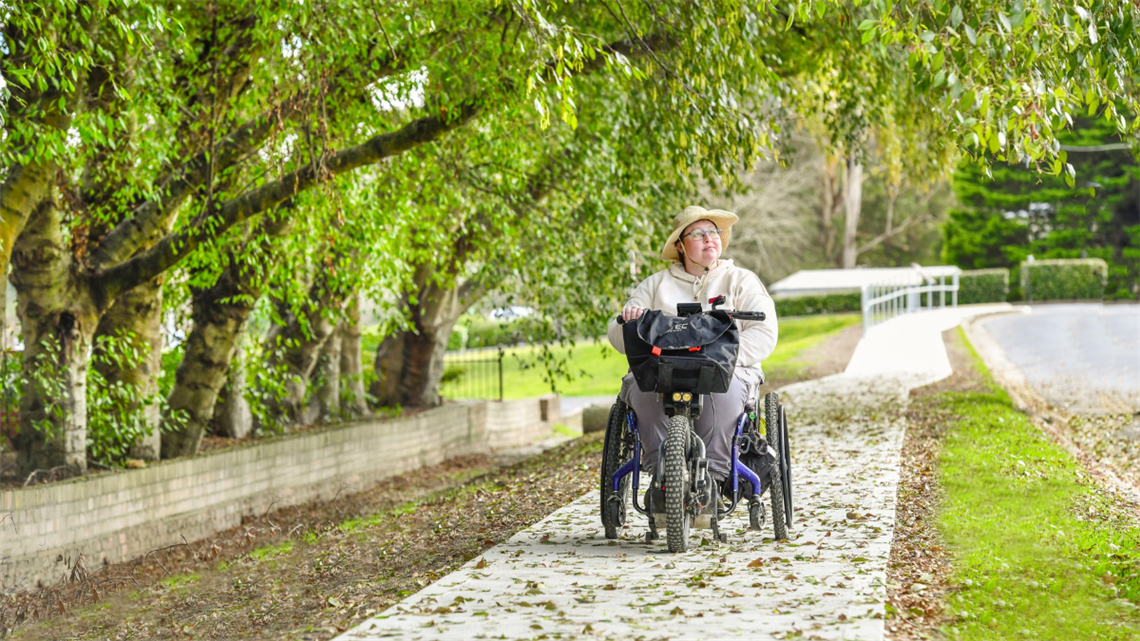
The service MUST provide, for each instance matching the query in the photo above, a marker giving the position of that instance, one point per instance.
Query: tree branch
(176, 246)
(871, 244)
(20, 192)
(149, 217)
(111, 281)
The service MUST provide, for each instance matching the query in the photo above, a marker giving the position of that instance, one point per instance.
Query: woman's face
(704, 251)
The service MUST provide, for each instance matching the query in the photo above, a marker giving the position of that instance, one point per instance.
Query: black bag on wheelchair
(694, 354)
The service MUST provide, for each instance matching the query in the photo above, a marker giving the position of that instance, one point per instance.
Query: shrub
(983, 286)
(827, 303)
(1064, 279)
(474, 330)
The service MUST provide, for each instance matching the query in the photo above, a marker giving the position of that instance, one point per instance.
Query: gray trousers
(715, 426)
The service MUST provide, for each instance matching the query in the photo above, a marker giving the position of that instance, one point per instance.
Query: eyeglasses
(699, 234)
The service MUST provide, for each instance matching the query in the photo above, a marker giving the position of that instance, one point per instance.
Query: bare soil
(309, 572)
(831, 355)
(919, 566)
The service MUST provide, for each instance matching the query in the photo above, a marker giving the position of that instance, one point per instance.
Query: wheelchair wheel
(617, 450)
(786, 466)
(677, 485)
(756, 515)
(772, 422)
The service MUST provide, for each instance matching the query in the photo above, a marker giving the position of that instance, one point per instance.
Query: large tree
(286, 102)
(138, 135)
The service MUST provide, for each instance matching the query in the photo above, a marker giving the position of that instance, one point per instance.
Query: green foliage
(267, 381)
(1064, 279)
(1039, 552)
(119, 414)
(809, 304)
(590, 125)
(1019, 212)
(11, 381)
(116, 410)
(983, 286)
(475, 330)
(170, 360)
(1011, 76)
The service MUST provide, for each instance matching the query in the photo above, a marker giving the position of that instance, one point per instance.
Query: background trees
(212, 166)
(1018, 212)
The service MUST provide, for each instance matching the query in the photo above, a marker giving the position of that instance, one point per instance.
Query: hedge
(829, 303)
(983, 286)
(474, 330)
(1064, 279)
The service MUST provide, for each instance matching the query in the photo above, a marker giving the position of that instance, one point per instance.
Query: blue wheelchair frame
(633, 466)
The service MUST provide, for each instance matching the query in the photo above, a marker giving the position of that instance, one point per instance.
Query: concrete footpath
(560, 578)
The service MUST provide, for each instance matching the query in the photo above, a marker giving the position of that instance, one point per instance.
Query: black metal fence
(475, 374)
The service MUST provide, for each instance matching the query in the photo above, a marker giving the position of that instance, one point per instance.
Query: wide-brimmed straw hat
(722, 219)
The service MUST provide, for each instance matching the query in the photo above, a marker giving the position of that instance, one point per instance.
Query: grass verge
(595, 368)
(1039, 551)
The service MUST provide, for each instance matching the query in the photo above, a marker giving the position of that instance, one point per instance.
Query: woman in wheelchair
(697, 275)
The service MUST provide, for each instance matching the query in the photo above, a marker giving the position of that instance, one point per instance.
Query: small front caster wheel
(756, 515)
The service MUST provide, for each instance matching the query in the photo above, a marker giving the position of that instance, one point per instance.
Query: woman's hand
(632, 313)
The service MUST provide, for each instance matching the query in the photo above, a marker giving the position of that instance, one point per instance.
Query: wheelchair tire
(756, 515)
(617, 450)
(786, 466)
(677, 484)
(772, 423)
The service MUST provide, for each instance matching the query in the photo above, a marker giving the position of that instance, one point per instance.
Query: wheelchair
(682, 495)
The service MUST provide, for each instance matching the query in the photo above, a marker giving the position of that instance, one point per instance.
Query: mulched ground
(917, 572)
(313, 571)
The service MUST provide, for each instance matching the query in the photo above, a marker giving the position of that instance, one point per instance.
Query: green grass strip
(1038, 552)
(597, 368)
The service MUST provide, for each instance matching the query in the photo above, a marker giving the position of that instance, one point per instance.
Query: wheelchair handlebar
(749, 316)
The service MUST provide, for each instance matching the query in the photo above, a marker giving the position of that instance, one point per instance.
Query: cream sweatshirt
(741, 288)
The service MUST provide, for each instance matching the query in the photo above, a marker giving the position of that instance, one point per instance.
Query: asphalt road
(1083, 356)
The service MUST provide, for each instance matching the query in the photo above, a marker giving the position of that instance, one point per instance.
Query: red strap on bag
(656, 350)
(695, 349)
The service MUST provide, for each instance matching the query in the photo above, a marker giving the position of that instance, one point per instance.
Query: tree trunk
(4, 309)
(219, 314)
(830, 200)
(295, 347)
(295, 354)
(853, 203)
(409, 363)
(353, 396)
(232, 417)
(58, 319)
(325, 406)
(139, 313)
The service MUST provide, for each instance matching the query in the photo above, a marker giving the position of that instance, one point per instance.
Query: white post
(864, 295)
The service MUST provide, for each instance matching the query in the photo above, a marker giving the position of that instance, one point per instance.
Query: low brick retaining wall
(118, 516)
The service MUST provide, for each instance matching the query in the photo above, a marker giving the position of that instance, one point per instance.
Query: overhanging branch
(148, 218)
(109, 282)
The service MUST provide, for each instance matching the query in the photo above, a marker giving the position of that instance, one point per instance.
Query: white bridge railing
(883, 301)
